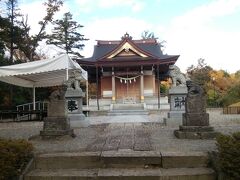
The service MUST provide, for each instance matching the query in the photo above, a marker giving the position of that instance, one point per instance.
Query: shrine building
(127, 70)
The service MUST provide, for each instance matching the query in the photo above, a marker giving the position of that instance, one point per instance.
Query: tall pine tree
(65, 35)
(12, 15)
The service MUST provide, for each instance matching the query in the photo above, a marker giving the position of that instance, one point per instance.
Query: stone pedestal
(195, 119)
(74, 104)
(56, 124)
(195, 132)
(177, 95)
(55, 127)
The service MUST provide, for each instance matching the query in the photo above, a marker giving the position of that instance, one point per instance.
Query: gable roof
(145, 48)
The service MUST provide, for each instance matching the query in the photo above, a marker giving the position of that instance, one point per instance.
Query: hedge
(226, 160)
(14, 156)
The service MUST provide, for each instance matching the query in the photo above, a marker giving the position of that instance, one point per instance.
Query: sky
(193, 29)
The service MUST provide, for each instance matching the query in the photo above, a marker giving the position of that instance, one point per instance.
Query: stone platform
(195, 132)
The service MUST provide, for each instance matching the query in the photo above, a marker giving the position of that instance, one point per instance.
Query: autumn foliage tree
(200, 73)
(221, 88)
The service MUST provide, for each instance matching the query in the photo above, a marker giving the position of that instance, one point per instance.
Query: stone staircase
(127, 109)
(122, 165)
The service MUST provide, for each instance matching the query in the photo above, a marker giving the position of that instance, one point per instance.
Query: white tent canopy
(42, 73)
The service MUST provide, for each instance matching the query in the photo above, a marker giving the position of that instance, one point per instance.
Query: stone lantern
(74, 101)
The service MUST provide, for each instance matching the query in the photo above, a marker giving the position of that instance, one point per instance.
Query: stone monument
(56, 124)
(74, 95)
(177, 95)
(195, 119)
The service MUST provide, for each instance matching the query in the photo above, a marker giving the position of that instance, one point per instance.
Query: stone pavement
(138, 133)
(122, 136)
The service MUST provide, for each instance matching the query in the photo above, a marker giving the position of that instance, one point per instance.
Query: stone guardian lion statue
(178, 78)
(74, 80)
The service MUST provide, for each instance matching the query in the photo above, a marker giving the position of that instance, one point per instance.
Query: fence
(24, 112)
(231, 110)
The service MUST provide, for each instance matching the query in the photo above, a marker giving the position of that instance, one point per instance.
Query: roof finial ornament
(126, 36)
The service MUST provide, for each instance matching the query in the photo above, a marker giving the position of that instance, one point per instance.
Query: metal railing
(26, 111)
(39, 105)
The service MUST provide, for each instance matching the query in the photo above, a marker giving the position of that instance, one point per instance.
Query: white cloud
(137, 6)
(112, 29)
(89, 5)
(36, 12)
(207, 13)
(193, 36)
(85, 5)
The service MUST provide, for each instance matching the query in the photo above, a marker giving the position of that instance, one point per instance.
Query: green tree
(23, 43)
(66, 36)
(13, 14)
(29, 42)
(227, 159)
(148, 35)
(7, 41)
(200, 73)
(3, 34)
(232, 95)
(237, 75)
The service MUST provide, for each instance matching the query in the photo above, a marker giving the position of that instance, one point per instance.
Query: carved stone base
(195, 132)
(195, 119)
(54, 127)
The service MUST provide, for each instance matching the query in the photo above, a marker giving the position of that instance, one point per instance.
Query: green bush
(228, 155)
(14, 156)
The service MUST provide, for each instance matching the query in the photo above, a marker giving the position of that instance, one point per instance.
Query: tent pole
(87, 94)
(34, 100)
(66, 74)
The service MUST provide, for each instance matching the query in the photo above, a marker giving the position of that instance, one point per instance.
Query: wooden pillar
(97, 87)
(113, 87)
(158, 84)
(87, 99)
(142, 85)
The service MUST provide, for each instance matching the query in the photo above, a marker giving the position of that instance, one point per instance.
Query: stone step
(184, 159)
(68, 160)
(123, 174)
(137, 106)
(127, 112)
(121, 158)
(130, 159)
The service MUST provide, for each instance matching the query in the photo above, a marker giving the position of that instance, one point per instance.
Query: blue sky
(194, 29)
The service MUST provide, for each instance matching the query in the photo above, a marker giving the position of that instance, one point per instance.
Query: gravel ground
(161, 137)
